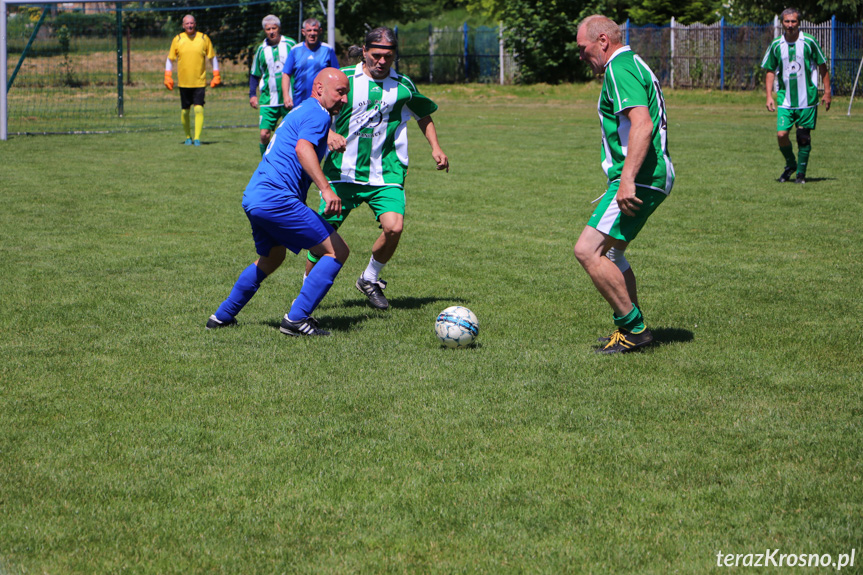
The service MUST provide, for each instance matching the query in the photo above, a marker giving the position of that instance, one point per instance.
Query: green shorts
(801, 117)
(271, 116)
(609, 220)
(381, 199)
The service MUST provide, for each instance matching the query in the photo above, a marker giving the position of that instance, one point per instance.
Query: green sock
(788, 152)
(803, 156)
(633, 322)
(263, 148)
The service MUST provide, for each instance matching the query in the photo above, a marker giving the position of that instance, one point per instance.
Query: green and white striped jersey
(796, 67)
(629, 82)
(374, 124)
(267, 65)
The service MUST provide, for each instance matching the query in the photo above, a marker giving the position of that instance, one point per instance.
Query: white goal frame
(4, 72)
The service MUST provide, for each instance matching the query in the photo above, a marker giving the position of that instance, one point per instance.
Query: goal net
(99, 67)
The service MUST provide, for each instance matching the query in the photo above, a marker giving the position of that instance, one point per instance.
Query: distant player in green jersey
(794, 58)
(640, 174)
(369, 150)
(266, 74)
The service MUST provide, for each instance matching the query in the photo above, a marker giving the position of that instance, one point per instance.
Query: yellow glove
(217, 79)
(169, 81)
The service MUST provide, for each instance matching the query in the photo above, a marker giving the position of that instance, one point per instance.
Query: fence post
(431, 54)
(776, 26)
(722, 53)
(627, 31)
(832, 46)
(671, 73)
(500, 50)
(466, 66)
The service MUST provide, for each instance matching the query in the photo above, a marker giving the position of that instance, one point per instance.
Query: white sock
(373, 271)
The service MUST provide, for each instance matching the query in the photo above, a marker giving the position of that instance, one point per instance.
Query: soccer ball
(456, 326)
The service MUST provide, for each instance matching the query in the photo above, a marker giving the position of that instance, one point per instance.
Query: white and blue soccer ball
(456, 326)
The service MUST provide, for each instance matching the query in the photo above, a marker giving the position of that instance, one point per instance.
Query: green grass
(134, 440)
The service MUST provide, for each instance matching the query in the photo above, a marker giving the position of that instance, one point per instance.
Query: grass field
(134, 440)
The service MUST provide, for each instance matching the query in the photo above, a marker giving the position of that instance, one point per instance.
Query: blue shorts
(293, 225)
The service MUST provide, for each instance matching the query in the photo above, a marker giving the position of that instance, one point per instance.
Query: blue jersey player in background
(275, 203)
(304, 62)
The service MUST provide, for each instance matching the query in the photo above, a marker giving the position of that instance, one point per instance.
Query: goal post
(93, 66)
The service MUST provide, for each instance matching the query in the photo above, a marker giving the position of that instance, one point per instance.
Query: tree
(542, 34)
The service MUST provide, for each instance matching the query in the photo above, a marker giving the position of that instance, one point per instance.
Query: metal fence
(724, 57)
(451, 55)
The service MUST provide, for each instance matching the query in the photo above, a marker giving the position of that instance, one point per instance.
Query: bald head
(598, 37)
(595, 25)
(331, 89)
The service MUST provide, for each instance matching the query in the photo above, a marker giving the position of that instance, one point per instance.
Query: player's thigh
(609, 220)
(806, 118)
(187, 98)
(386, 199)
(293, 225)
(785, 118)
(198, 96)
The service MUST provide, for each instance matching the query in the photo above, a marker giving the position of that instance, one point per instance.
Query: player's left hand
(626, 200)
(217, 79)
(826, 99)
(441, 160)
(253, 102)
(333, 202)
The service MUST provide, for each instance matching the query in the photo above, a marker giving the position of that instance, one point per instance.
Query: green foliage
(86, 25)
(743, 11)
(542, 33)
(64, 38)
(660, 12)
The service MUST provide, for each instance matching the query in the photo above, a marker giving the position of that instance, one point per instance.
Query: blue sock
(314, 289)
(247, 284)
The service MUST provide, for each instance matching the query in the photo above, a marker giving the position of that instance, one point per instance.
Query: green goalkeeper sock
(803, 157)
(263, 148)
(788, 152)
(633, 322)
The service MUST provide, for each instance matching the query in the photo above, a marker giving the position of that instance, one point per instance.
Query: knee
(265, 137)
(582, 254)
(393, 229)
(341, 251)
(804, 138)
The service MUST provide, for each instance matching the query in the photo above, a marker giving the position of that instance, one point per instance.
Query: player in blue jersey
(275, 203)
(304, 62)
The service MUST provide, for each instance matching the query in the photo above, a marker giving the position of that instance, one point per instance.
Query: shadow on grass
(666, 335)
(398, 302)
(333, 324)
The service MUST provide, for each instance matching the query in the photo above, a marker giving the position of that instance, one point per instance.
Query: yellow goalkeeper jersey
(191, 55)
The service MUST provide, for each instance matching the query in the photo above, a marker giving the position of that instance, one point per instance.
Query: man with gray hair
(266, 74)
(640, 174)
(304, 62)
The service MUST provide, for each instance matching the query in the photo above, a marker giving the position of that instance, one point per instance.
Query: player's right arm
(253, 90)
(308, 158)
(287, 97)
(172, 55)
(768, 81)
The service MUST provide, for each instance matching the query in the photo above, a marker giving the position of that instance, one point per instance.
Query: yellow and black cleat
(622, 341)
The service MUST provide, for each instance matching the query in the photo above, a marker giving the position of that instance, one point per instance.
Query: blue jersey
(303, 64)
(280, 177)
